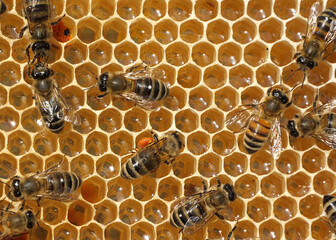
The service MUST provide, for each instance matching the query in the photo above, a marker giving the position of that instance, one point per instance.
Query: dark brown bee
(263, 123)
(51, 184)
(329, 206)
(149, 158)
(321, 31)
(51, 104)
(3, 7)
(192, 212)
(15, 224)
(138, 86)
(38, 15)
(320, 123)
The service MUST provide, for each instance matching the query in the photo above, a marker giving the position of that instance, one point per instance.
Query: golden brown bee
(321, 31)
(51, 184)
(3, 7)
(149, 158)
(320, 123)
(329, 206)
(192, 212)
(49, 101)
(138, 86)
(263, 123)
(15, 224)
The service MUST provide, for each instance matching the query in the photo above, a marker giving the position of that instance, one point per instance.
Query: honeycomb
(216, 56)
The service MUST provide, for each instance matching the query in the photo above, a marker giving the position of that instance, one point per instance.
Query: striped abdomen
(323, 22)
(141, 164)
(328, 121)
(181, 215)
(62, 183)
(329, 205)
(256, 134)
(151, 89)
(37, 11)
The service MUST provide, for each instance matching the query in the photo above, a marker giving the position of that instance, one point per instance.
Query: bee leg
(315, 101)
(232, 230)
(22, 31)
(204, 186)
(22, 206)
(155, 136)
(56, 22)
(103, 95)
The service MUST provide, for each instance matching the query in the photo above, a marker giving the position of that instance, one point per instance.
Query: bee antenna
(293, 88)
(38, 213)
(5, 184)
(293, 73)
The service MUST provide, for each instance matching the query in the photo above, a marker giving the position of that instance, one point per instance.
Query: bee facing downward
(15, 224)
(321, 31)
(149, 158)
(51, 104)
(320, 123)
(51, 184)
(138, 86)
(192, 212)
(263, 123)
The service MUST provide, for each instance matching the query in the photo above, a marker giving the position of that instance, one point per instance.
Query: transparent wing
(327, 136)
(144, 71)
(237, 122)
(331, 35)
(326, 108)
(70, 115)
(312, 19)
(148, 105)
(194, 223)
(275, 144)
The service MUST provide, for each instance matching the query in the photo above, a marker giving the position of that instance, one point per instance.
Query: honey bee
(320, 123)
(329, 206)
(320, 32)
(51, 104)
(149, 158)
(192, 212)
(3, 7)
(263, 123)
(38, 15)
(138, 86)
(51, 184)
(15, 224)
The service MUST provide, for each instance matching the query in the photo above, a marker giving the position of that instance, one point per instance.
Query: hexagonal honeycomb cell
(215, 56)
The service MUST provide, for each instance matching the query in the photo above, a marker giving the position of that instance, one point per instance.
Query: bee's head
(102, 82)
(30, 219)
(280, 95)
(41, 72)
(304, 63)
(15, 187)
(291, 125)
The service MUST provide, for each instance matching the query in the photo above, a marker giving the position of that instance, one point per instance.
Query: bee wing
(331, 35)
(327, 136)
(44, 106)
(242, 118)
(148, 105)
(275, 144)
(64, 198)
(70, 115)
(312, 19)
(327, 107)
(194, 223)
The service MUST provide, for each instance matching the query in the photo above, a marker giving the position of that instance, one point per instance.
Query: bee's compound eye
(311, 64)
(300, 60)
